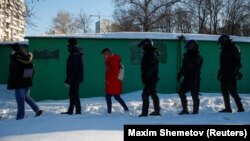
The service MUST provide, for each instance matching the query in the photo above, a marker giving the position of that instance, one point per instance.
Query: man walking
(74, 72)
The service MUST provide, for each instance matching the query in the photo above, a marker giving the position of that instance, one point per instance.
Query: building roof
(6, 43)
(143, 35)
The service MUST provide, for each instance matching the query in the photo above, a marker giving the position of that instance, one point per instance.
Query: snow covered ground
(96, 125)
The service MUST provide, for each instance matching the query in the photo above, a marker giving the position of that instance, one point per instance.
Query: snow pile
(96, 125)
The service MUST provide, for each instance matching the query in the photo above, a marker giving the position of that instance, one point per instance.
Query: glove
(239, 76)
(66, 85)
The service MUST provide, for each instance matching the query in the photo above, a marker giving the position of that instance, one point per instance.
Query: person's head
(72, 42)
(106, 52)
(191, 46)
(146, 44)
(224, 40)
(16, 47)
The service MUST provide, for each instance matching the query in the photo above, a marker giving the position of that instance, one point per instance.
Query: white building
(104, 26)
(12, 20)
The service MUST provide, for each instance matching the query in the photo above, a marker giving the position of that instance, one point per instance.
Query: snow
(24, 42)
(96, 125)
(143, 35)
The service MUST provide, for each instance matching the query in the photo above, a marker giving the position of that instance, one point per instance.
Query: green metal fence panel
(50, 56)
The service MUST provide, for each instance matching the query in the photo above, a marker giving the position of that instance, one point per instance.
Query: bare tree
(166, 23)
(144, 13)
(246, 24)
(183, 21)
(124, 21)
(199, 10)
(63, 23)
(83, 22)
(235, 14)
(215, 8)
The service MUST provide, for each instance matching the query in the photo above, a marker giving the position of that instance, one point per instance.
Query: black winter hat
(146, 43)
(72, 41)
(16, 47)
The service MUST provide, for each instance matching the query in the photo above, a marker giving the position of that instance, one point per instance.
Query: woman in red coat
(113, 86)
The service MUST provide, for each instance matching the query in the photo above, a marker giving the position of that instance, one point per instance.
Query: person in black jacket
(149, 76)
(229, 72)
(74, 72)
(21, 72)
(191, 69)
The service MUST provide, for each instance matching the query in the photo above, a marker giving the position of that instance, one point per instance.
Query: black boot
(226, 111)
(145, 106)
(184, 112)
(155, 113)
(196, 104)
(38, 113)
(239, 105)
(227, 104)
(156, 103)
(184, 104)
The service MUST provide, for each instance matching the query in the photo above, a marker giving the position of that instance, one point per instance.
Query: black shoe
(67, 113)
(194, 113)
(143, 115)
(184, 113)
(78, 113)
(226, 111)
(241, 110)
(38, 113)
(155, 114)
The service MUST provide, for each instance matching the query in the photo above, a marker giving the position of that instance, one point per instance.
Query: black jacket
(230, 60)
(19, 63)
(149, 66)
(74, 68)
(191, 66)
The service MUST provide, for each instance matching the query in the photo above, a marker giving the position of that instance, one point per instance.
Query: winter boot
(38, 113)
(155, 113)
(67, 113)
(196, 105)
(226, 111)
(145, 106)
(239, 104)
(227, 104)
(184, 104)
(184, 112)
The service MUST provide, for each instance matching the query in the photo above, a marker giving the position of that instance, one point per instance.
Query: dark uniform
(149, 76)
(229, 72)
(191, 67)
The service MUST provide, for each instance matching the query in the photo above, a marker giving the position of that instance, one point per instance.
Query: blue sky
(47, 9)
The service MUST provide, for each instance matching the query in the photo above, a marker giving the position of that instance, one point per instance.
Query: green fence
(50, 55)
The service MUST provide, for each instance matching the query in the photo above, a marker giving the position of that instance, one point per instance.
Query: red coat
(113, 84)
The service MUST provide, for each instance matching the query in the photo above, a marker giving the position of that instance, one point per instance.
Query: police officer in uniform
(149, 76)
(228, 73)
(191, 69)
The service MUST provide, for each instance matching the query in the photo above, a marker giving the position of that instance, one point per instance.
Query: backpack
(121, 72)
